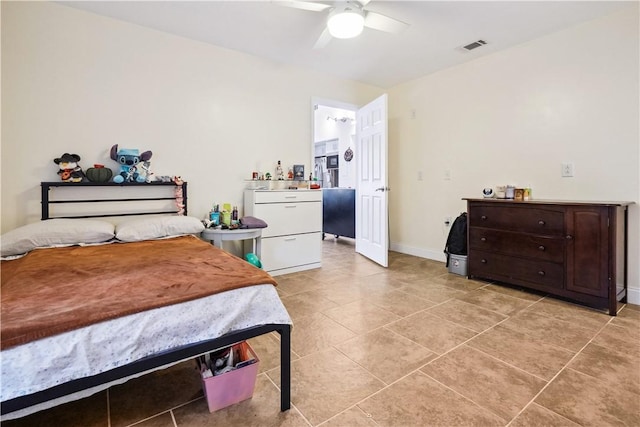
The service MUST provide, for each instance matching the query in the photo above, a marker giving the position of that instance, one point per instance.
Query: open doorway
(333, 150)
(359, 168)
(334, 129)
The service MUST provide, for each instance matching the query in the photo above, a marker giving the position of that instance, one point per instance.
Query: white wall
(512, 118)
(77, 82)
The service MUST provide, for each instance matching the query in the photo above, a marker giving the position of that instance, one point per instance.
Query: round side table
(217, 236)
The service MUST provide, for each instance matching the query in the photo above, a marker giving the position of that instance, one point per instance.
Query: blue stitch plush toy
(128, 158)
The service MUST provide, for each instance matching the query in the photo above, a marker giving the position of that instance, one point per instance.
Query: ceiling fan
(346, 19)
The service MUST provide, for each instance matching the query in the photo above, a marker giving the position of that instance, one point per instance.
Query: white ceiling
(432, 42)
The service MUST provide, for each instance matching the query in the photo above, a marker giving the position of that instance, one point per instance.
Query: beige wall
(77, 82)
(512, 118)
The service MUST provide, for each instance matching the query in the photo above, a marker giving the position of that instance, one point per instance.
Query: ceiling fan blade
(381, 22)
(304, 5)
(323, 40)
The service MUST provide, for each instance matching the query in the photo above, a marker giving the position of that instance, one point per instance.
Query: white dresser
(293, 239)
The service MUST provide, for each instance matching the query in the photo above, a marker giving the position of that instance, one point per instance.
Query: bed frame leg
(285, 368)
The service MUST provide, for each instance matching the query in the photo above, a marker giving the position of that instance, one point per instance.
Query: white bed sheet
(44, 363)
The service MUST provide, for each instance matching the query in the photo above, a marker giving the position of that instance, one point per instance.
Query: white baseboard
(633, 296)
(422, 253)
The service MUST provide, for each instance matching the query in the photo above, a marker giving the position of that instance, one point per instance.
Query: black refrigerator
(339, 212)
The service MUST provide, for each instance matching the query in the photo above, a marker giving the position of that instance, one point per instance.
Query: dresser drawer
(289, 218)
(547, 221)
(515, 270)
(524, 245)
(291, 251)
(274, 196)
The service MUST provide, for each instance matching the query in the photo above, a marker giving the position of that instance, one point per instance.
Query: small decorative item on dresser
(510, 192)
(279, 171)
(298, 172)
(487, 193)
(518, 194)
(501, 192)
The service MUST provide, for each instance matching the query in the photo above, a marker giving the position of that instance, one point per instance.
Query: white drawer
(275, 196)
(291, 251)
(289, 218)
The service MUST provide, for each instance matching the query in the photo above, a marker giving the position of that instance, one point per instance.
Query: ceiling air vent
(474, 45)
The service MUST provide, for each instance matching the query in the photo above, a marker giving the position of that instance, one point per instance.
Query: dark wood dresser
(576, 250)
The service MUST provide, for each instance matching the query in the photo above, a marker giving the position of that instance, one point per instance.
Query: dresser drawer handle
(290, 206)
(289, 239)
(541, 273)
(483, 217)
(290, 197)
(541, 222)
(483, 239)
(542, 248)
(569, 237)
(484, 261)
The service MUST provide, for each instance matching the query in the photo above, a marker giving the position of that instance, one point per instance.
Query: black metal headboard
(135, 197)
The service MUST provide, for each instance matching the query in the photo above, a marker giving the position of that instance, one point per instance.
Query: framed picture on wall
(298, 172)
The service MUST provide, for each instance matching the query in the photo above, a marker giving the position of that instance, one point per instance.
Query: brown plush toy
(69, 171)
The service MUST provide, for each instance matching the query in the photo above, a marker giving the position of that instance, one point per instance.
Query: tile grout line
(417, 370)
(431, 350)
(354, 406)
(454, 348)
(290, 402)
(173, 418)
(556, 376)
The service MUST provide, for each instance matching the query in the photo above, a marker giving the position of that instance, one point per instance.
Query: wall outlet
(419, 175)
(447, 174)
(567, 169)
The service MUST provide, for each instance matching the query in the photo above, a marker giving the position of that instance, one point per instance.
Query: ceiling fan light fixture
(346, 22)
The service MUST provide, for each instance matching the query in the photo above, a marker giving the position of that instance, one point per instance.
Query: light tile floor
(411, 345)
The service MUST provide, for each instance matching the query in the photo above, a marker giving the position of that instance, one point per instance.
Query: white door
(372, 218)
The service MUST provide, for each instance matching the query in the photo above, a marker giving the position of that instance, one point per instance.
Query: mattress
(44, 363)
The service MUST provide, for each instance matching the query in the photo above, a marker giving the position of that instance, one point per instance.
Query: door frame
(332, 103)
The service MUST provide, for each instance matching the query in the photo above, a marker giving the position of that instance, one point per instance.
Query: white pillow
(55, 232)
(157, 227)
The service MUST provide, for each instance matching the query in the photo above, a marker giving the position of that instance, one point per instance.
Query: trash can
(458, 264)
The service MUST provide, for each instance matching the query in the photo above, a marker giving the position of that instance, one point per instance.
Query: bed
(122, 327)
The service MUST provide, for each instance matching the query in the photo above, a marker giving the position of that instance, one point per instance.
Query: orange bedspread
(55, 290)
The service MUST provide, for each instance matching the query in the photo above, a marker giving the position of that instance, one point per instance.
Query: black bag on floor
(457, 239)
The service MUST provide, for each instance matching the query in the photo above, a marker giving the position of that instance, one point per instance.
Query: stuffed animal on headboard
(128, 158)
(69, 170)
(177, 180)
